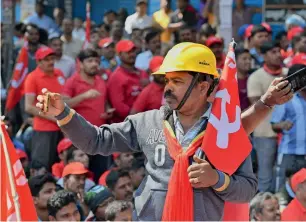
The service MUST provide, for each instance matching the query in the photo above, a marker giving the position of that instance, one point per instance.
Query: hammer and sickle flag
(226, 143)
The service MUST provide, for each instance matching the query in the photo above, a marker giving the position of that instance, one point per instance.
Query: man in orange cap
(62, 149)
(151, 97)
(109, 59)
(296, 210)
(126, 82)
(216, 45)
(46, 133)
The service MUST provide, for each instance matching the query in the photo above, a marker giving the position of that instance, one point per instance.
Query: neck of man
(42, 214)
(141, 14)
(189, 119)
(273, 67)
(241, 74)
(128, 66)
(58, 56)
(68, 37)
(87, 78)
(33, 47)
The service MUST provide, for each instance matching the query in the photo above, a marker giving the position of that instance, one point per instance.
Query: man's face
(78, 23)
(185, 35)
(69, 212)
(110, 18)
(39, 8)
(136, 33)
(67, 26)
(301, 45)
(155, 45)
(165, 4)
(124, 215)
(141, 8)
(45, 193)
(244, 61)
(274, 57)
(217, 49)
(117, 34)
(177, 84)
(128, 57)
(137, 176)
(91, 67)
(75, 183)
(80, 156)
(181, 4)
(270, 211)
(36, 172)
(301, 188)
(125, 160)
(109, 51)
(58, 13)
(95, 38)
(47, 64)
(123, 189)
(57, 46)
(260, 38)
(103, 33)
(63, 155)
(284, 42)
(32, 35)
(100, 212)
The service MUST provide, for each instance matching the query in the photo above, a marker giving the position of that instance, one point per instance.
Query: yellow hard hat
(190, 57)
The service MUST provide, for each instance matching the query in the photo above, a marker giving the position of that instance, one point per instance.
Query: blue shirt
(293, 140)
(105, 63)
(143, 60)
(44, 22)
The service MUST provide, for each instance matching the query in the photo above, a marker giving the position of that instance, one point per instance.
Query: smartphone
(297, 80)
(46, 102)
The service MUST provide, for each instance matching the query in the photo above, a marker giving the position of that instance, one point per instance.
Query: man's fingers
(196, 185)
(44, 90)
(194, 174)
(39, 105)
(281, 85)
(193, 167)
(40, 98)
(276, 81)
(198, 160)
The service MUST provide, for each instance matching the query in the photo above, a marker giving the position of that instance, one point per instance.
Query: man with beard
(185, 35)
(189, 82)
(126, 81)
(153, 43)
(109, 59)
(46, 133)
(62, 62)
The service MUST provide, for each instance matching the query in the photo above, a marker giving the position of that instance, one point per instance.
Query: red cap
(298, 178)
(74, 168)
(43, 52)
(294, 32)
(267, 26)
(155, 63)
(213, 40)
(248, 31)
(299, 58)
(115, 155)
(63, 145)
(103, 43)
(124, 46)
(21, 154)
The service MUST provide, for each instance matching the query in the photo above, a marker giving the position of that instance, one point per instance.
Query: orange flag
(226, 143)
(25, 206)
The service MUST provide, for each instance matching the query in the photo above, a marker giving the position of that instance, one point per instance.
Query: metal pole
(11, 42)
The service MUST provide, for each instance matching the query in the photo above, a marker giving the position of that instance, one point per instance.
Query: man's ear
(65, 181)
(117, 161)
(212, 95)
(35, 200)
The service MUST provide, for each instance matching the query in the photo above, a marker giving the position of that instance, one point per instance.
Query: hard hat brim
(163, 72)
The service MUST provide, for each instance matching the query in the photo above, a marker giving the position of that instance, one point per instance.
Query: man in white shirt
(140, 19)
(78, 30)
(62, 62)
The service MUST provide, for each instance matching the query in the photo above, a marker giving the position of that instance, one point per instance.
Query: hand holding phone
(297, 80)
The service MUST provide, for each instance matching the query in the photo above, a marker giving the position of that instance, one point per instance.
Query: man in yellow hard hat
(174, 133)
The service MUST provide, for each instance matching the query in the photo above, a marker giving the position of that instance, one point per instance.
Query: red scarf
(179, 200)
(16, 90)
(272, 72)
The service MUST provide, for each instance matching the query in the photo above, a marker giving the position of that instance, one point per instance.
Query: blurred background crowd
(102, 68)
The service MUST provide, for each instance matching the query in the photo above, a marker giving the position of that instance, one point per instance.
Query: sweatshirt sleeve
(243, 184)
(103, 140)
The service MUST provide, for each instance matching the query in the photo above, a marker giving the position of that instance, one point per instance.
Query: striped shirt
(293, 140)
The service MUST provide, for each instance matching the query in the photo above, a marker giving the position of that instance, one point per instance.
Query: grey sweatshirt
(143, 132)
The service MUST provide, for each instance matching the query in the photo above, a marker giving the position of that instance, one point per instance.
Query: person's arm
(175, 26)
(74, 101)
(277, 93)
(32, 110)
(279, 119)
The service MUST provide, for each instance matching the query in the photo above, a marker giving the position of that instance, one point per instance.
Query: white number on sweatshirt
(159, 157)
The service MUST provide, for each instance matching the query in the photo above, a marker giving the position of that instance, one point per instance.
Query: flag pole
(11, 178)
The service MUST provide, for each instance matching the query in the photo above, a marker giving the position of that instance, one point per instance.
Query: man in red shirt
(151, 97)
(216, 45)
(126, 82)
(46, 132)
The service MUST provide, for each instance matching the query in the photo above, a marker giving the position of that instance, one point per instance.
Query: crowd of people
(110, 78)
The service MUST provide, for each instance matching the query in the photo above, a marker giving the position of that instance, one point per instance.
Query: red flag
(25, 206)
(226, 143)
(88, 24)
(15, 91)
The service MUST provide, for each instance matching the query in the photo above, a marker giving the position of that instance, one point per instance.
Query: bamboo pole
(11, 178)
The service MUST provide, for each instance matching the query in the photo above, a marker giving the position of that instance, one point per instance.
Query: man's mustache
(169, 94)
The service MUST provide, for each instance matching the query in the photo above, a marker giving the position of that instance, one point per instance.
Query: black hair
(115, 207)
(43, 36)
(280, 35)
(88, 53)
(267, 46)
(207, 30)
(110, 12)
(21, 27)
(150, 35)
(36, 183)
(32, 25)
(70, 154)
(239, 51)
(37, 165)
(54, 38)
(113, 177)
(137, 164)
(59, 200)
(258, 28)
(106, 27)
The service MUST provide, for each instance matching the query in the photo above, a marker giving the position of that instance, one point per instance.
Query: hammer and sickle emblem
(222, 125)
